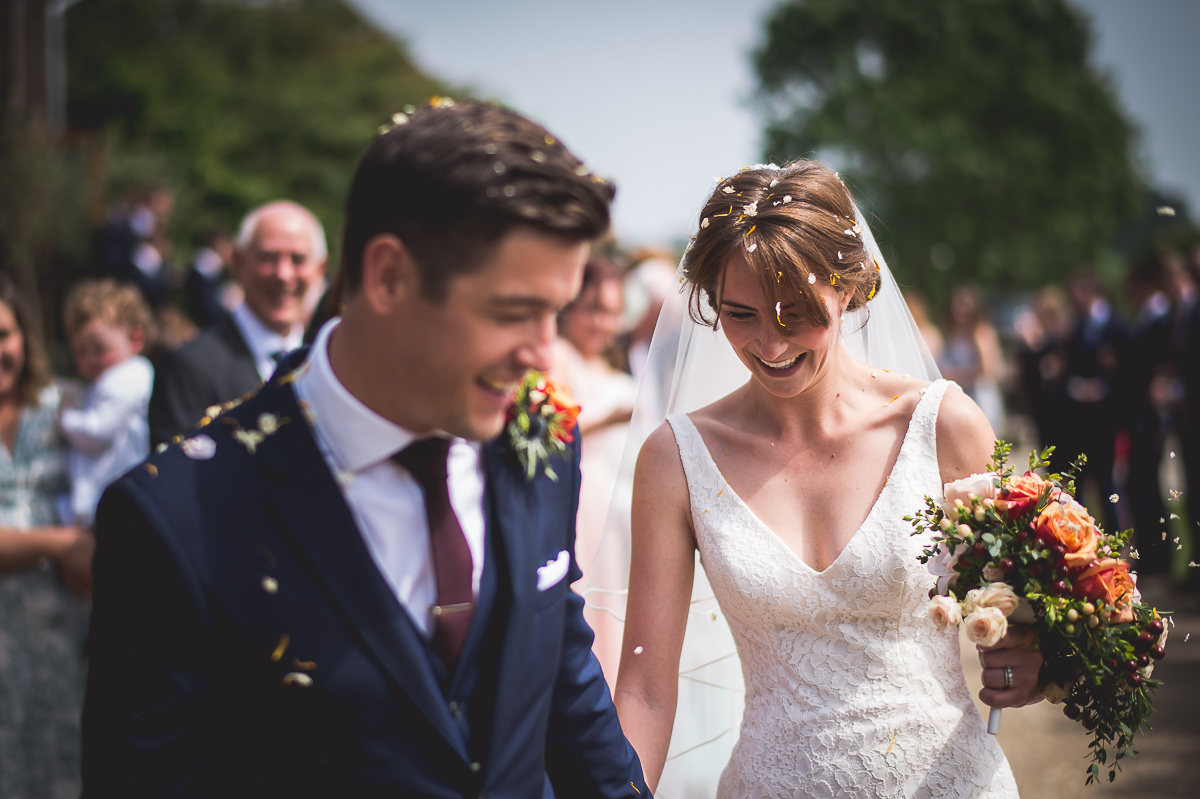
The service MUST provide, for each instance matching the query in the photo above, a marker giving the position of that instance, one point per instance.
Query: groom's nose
(538, 351)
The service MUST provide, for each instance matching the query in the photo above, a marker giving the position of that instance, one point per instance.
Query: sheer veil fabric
(688, 367)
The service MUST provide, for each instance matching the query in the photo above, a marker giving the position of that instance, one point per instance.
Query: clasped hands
(1011, 669)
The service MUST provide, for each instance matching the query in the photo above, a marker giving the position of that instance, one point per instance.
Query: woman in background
(45, 574)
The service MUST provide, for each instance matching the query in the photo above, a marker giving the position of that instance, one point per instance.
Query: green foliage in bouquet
(997, 531)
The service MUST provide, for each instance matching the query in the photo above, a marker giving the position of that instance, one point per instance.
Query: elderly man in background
(280, 254)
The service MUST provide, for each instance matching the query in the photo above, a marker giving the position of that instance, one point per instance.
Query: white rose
(982, 486)
(944, 611)
(985, 626)
(998, 595)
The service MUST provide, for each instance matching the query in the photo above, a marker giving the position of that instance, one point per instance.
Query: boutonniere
(540, 423)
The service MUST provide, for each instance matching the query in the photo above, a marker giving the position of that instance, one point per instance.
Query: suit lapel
(243, 360)
(310, 508)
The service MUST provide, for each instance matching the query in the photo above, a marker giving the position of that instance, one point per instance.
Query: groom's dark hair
(452, 178)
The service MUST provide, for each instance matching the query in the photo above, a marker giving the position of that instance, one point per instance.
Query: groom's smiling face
(457, 362)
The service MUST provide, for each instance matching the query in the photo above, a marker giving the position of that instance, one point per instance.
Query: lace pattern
(850, 690)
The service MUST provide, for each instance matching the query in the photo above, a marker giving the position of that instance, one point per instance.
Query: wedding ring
(1007, 677)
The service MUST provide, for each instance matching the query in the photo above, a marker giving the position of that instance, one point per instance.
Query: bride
(793, 488)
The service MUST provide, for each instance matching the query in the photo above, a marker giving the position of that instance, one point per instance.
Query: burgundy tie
(426, 460)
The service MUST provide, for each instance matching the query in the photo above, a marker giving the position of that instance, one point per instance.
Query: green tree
(235, 102)
(976, 132)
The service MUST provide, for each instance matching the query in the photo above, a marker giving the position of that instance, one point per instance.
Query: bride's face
(784, 358)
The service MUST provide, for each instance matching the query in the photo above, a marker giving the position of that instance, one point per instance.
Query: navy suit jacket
(244, 643)
(214, 368)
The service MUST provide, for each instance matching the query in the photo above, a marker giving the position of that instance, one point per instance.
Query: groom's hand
(1017, 652)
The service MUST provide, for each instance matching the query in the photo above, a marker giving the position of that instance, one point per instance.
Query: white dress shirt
(263, 342)
(386, 501)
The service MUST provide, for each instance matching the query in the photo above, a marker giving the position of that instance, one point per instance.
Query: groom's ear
(389, 274)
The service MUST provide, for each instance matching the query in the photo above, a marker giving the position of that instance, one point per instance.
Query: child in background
(108, 325)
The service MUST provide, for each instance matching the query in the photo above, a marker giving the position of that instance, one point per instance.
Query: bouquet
(540, 423)
(1022, 547)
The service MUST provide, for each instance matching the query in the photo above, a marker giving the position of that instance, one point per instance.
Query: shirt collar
(361, 438)
(263, 342)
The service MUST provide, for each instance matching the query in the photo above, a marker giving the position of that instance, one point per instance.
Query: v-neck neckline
(887, 484)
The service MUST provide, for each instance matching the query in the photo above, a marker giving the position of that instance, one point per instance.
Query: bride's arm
(662, 565)
(965, 443)
(965, 440)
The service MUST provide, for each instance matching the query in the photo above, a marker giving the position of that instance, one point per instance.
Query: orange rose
(1109, 581)
(559, 397)
(1021, 494)
(1066, 522)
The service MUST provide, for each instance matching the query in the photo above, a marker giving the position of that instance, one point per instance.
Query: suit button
(456, 710)
(476, 767)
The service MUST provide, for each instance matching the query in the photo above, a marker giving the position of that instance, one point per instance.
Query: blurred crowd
(1107, 373)
(156, 342)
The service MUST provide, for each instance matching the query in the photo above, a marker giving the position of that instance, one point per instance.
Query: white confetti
(752, 248)
(1113, 498)
(812, 278)
(704, 222)
(270, 584)
(199, 448)
(728, 189)
(637, 650)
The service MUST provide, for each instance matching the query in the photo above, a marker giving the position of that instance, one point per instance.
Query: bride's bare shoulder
(965, 439)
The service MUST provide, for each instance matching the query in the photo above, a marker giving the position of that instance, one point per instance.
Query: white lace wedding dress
(850, 689)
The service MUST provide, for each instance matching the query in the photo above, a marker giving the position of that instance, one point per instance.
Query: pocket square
(554, 571)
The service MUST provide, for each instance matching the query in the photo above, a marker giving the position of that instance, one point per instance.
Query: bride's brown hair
(795, 226)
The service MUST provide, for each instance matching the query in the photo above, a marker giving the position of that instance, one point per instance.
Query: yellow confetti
(727, 213)
(635, 789)
(304, 665)
(893, 743)
(151, 469)
(893, 399)
(281, 647)
(722, 491)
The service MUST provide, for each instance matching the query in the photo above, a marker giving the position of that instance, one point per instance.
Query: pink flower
(982, 486)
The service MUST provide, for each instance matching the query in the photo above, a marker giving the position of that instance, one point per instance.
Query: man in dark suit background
(275, 609)
(279, 255)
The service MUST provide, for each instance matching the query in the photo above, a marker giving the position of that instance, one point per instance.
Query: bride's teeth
(781, 365)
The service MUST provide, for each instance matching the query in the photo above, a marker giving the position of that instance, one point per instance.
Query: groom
(295, 600)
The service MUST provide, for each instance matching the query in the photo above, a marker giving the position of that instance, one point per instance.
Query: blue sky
(653, 93)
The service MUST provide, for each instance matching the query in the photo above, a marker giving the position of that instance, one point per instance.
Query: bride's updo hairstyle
(795, 227)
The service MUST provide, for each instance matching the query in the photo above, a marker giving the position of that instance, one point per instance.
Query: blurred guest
(132, 245)
(587, 329)
(1093, 350)
(279, 253)
(971, 355)
(929, 329)
(208, 290)
(109, 325)
(1145, 376)
(45, 574)
(1041, 366)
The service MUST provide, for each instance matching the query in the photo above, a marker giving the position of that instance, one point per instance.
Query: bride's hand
(1016, 652)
